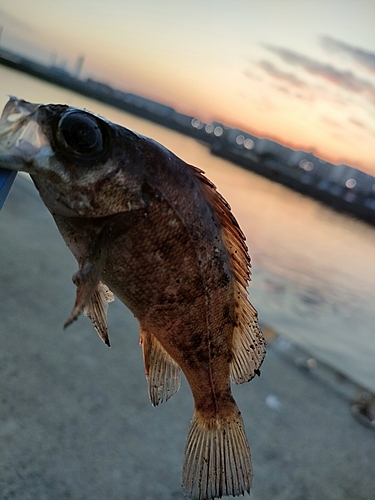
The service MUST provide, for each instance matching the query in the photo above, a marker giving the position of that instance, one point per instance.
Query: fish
(153, 231)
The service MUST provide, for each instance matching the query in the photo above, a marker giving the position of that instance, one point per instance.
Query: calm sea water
(313, 269)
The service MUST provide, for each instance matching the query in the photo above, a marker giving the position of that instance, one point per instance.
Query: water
(313, 269)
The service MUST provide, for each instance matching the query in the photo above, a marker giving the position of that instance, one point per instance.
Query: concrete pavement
(75, 419)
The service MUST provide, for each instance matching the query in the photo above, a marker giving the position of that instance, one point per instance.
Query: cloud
(362, 126)
(287, 82)
(358, 123)
(283, 76)
(361, 56)
(344, 79)
(332, 123)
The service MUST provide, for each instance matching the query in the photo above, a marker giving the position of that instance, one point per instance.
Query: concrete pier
(75, 419)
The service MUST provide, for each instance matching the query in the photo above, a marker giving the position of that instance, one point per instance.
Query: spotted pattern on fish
(153, 231)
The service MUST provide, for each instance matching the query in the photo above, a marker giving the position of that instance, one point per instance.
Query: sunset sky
(297, 71)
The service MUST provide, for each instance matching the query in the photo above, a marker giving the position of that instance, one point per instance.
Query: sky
(300, 72)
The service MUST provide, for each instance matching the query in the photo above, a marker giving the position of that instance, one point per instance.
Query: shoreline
(360, 399)
(77, 422)
(269, 159)
(294, 354)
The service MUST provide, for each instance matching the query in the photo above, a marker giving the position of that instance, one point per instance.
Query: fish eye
(81, 134)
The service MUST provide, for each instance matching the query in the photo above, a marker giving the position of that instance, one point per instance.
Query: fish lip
(21, 137)
(24, 135)
(15, 111)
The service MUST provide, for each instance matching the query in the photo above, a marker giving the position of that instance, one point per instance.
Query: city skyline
(301, 74)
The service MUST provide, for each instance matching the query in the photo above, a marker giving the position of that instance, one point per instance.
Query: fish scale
(152, 230)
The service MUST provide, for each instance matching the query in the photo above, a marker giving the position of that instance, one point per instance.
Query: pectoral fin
(87, 277)
(96, 310)
(162, 372)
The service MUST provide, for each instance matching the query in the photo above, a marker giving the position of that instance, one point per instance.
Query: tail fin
(217, 458)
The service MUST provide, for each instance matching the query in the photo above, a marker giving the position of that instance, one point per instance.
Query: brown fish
(154, 231)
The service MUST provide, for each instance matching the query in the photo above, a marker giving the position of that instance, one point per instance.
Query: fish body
(152, 230)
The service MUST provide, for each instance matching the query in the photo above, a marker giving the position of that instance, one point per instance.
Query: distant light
(306, 165)
(240, 139)
(248, 144)
(350, 183)
(209, 128)
(196, 123)
(218, 131)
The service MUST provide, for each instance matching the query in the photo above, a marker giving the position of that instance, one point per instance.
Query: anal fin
(96, 310)
(162, 372)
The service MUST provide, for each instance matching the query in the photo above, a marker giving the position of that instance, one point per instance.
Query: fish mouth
(21, 136)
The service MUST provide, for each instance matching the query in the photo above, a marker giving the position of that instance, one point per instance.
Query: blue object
(6, 180)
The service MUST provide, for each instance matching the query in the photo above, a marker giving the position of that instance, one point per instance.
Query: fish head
(82, 164)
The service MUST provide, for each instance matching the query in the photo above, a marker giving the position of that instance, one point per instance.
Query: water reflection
(313, 269)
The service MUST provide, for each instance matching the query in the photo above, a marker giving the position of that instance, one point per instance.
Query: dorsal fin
(248, 344)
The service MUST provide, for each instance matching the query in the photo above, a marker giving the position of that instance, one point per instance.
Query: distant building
(215, 128)
(187, 121)
(339, 174)
(78, 67)
(238, 137)
(357, 180)
(99, 87)
(267, 148)
(157, 108)
(308, 162)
